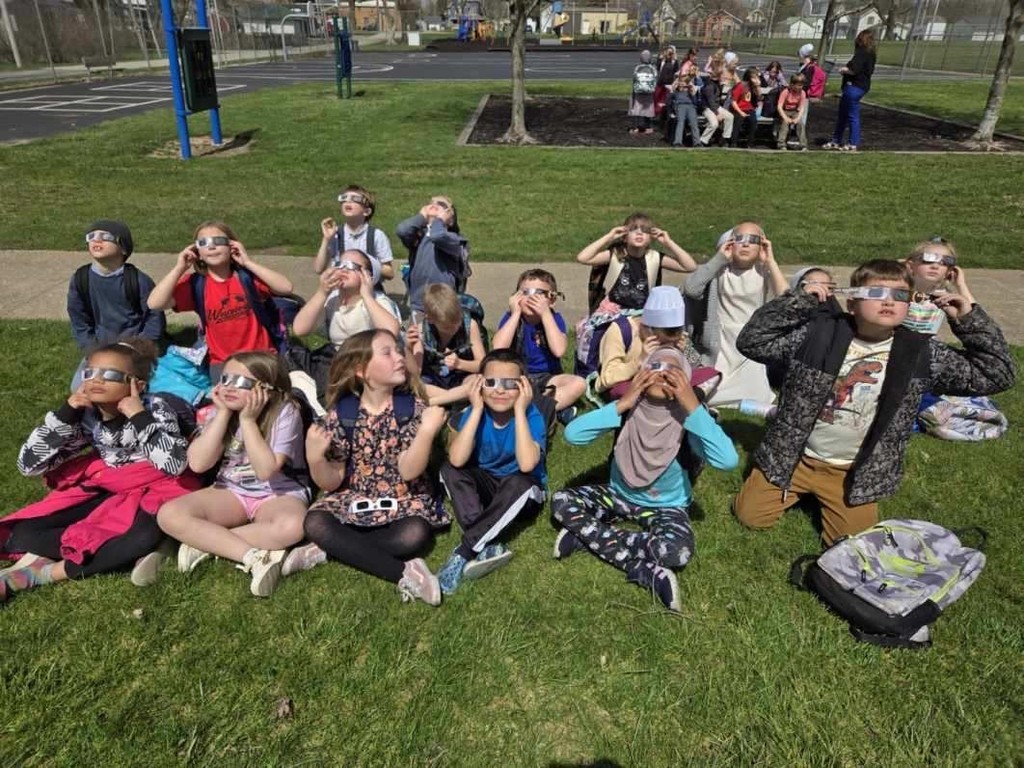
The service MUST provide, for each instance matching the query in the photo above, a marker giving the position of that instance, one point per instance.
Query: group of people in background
(730, 102)
(293, 455)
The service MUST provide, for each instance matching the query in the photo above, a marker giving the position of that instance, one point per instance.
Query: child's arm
(777, 280)
(409, 230)
(384, 255)
(528, 452)
(83, 329)
(414, 347)
(162, 295)
(598, 251)
(476, 343)
(274, 280)
(615, 363)
(413, 460)
(778, 107)
(697, 282)
(59, 438)
(264, 461)
(705, 436)
(984, 366)
(776, 330)
(506, 333)
(158, 431)
(558, 339)
(586, 428)
(381, 318)
(677, 259)
(803, 107)
(312, 314)
(328, 475)
(445, 241)
(460, 449)
(155, 323)
(328, 231)
(958, 278)
(207, 448)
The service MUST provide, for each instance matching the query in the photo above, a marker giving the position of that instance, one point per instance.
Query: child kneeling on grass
(647, 485)
(370, 460)
(255, 509)
(100, 516)
(495, 470)
(851, 390)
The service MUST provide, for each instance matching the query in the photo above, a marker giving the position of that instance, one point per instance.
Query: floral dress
(372, 471)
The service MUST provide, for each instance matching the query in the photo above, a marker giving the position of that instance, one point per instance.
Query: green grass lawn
(966, 105)
(543, 663)
(515, 204)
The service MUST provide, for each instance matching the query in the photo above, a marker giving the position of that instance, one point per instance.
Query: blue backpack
(275, 313)
(588, 349)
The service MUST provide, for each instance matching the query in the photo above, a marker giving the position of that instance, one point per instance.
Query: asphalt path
(33, 113)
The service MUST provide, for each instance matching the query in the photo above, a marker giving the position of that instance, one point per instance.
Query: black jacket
(862, 67)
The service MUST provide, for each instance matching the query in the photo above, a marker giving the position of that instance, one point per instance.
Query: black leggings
(380, 551)
(42, 535)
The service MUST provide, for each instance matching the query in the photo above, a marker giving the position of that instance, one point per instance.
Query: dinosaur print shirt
(843, 423)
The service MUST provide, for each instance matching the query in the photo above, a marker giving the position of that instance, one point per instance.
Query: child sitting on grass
(358, 206)
(853, 381)
(647, 485)
(495, 470)
(536, 332)
(100, 516)
(445, 346)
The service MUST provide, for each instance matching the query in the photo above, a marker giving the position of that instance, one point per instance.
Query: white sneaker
(303, 382)
(27, 559)
(147, 568)
(265, 568)
(302, 559)
(418, 583)
(190, 557)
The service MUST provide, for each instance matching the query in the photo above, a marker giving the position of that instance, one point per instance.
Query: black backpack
(131, 288)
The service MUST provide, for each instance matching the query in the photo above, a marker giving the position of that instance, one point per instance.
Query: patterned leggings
(665, 538)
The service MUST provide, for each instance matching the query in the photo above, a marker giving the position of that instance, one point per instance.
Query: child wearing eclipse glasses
(100, 515)
(358, 206)
(230, 323)
(107, 298)
(255, 509)
(495, 470)
(853, 382)
(724, 292)
(934, 271)
(438, 253)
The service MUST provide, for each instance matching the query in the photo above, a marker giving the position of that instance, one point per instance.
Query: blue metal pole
(180, 112)
(204, 23)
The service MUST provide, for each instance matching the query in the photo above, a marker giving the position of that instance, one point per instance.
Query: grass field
(515, 204)
(544, 663)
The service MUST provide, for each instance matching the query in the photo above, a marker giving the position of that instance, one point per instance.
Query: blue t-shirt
(495, 449)
(538, 357)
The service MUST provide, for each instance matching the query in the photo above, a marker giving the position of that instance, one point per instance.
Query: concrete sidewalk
(34, 284)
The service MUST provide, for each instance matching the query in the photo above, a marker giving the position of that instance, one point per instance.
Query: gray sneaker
(302, 559)
(147, 568)
(190, 557)
(418, 583)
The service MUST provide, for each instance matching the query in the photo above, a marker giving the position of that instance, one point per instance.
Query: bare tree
(1014, 24)
(519, 12)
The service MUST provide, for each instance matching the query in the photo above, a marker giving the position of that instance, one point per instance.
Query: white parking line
(147, 87)
(72, 103)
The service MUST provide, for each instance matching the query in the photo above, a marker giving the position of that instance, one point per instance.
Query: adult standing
(856, 83)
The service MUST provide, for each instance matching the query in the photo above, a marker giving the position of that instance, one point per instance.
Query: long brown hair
(866, 39)
(354, 354)
(639, 219)
(273, 373)
(215, 224)
(139, 353)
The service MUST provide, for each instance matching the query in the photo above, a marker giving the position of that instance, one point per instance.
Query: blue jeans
(686, 114)
(849, 114)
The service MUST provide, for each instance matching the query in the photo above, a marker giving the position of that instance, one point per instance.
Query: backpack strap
(798, 569)
(131, 287)
(626, 329)
(197, 283)
(81, 281)
(259, 305)
(371, 241)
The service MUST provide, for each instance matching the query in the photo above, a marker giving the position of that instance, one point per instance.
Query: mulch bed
(585, 122)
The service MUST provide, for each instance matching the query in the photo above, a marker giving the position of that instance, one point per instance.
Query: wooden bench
(98, 62)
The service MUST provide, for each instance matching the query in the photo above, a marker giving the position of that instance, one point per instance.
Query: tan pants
(760, 504)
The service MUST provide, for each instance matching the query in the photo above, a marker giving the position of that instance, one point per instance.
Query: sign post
(342, 57)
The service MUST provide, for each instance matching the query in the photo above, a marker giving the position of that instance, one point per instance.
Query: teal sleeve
(590, 426)
(709, 440)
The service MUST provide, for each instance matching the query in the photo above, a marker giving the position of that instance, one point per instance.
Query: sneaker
(830, 145)
(303, 382)
(190, 557)
(848, 148)
(491, 559)
(266, 570)
(147, 568)
(566, 543)
(661, 581)
(26, 559)
(450, 575)
(418, 583)
(303, 559)
(566, 415)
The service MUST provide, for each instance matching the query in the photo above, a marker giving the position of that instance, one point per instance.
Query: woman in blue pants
(856, 83)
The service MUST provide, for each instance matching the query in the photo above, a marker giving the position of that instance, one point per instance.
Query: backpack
(274, 313)
(589, 334)
(472, 310)
(893, 580)
(131, 289)
(645, 78)
(462, 273)
(961, 418)
(371, 245)
(816, 82)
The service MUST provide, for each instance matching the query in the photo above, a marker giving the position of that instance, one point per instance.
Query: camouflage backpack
(893, 580)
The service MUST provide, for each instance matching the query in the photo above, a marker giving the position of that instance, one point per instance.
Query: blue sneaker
(492, 557)
(450, 575)
(491, 551)
(661, 581)
(566, 543)
(566, 415)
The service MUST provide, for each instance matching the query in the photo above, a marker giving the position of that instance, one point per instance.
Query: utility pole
(46, 41)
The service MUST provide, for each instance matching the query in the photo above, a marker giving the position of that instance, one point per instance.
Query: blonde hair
(926, 246)
(272, 372)
(215, 224)
(355, 353)
(441, 304)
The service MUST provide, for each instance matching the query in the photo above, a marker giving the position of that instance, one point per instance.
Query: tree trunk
(1014, 23)
(99, 25)
(890, 21)
(351, 17)
(825, 30)
(519, 12)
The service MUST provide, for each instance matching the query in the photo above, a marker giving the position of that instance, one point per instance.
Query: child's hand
(953, 304)
(538, 305)
(330, 279)
(187, 258)
(452, 360)
(815, 289)
(678, 385)
(767, 255)
(131, 405)
(475, 390)
(412, 336)
(524, 398)
(660, 236)
(515, 303)
(255, 400)
(318, 440)
(328, 228)
(729, 249)
(637, 387)
(651, 344)
(239, 255)
(616, 233)
(958, 278)
(217, 396)
(366, 284)
(426, 211)
(78, 399)
(433, 419)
